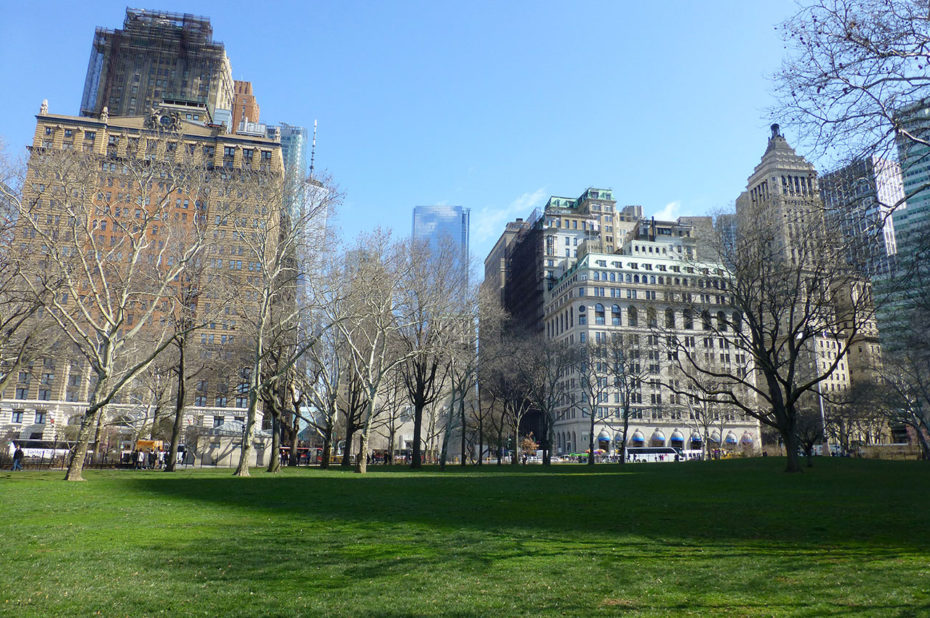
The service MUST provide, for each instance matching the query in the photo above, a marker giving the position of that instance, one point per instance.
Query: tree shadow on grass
(856, 505)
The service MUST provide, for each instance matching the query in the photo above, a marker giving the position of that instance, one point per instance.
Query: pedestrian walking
(18, 458)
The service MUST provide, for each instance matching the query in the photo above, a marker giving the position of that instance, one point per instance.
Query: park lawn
(731, 537)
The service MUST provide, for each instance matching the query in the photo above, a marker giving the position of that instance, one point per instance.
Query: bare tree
(627, 375)
(270, 231)
(543, 365)
(319, 384)
(108, 267)
(906, 380)
(369, 320)
(592, 365)
(434, 294)
(24, 329)
(853, 65)
(762, 350)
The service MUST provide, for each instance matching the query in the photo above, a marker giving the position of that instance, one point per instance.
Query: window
(200, 400)
(17, 416)
(242, 402)
(599, 316)
(615, 315)
(40, 417)
(218, 420)
(45, 394)
(22, 393)
(221, 401)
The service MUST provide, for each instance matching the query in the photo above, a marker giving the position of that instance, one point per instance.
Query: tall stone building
(125, 196)
(783, 200)
(244, 107)
(639, 297)
(157, 56)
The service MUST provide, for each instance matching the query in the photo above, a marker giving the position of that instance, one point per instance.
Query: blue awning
(731, 439)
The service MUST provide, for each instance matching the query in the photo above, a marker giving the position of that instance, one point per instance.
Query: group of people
(148, 459)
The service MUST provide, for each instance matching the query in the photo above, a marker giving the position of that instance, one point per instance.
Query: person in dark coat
(18, 458)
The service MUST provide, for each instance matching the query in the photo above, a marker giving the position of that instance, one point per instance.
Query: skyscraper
(245, 107)
(859, 198)
(906, 291)
(438, 224)
(157, 56)
(294, 142)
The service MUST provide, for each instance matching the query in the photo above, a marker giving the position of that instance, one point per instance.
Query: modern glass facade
(435, 223)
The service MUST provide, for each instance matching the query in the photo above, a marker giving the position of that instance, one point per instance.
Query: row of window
(18, 416)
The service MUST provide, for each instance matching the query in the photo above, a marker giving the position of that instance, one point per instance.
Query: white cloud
(670, 212)
(488, 223)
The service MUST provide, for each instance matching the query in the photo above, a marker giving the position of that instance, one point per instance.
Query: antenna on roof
(313, 149)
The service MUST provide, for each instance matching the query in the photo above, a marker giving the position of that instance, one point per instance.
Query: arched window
(632, 316)
(615, 315)
(669, 318)
(688, 319)
(721, 321)
(737, 321)
(705, 320)
(599, 316)
(651, 320)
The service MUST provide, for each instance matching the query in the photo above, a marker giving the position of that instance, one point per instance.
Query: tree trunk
(178, 411)
(154, 421)
(243, 468)
(293, 441)
(480, 438)
(624, 437)
(791, 449)
(547, 440)
(97, 432)
(515, 458)
(462, 417)
(274, 460)
(327, 447)
(591, 440)
(416, 459)
(924, 445)
(76, 464)
(90, 420)
(347, 451)
(361, 466)
(392, 436)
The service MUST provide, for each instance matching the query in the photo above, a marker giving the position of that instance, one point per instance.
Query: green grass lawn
(731, 537)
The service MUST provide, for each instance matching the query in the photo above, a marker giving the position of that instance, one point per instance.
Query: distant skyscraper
(435, 223)
(907, 289)
(859, 198)
(245, 107)
(157, 56)
(294, 141)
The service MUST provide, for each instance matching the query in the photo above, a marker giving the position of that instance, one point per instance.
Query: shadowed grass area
(732, 537)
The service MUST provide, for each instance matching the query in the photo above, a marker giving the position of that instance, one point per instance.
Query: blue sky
(490, 105)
